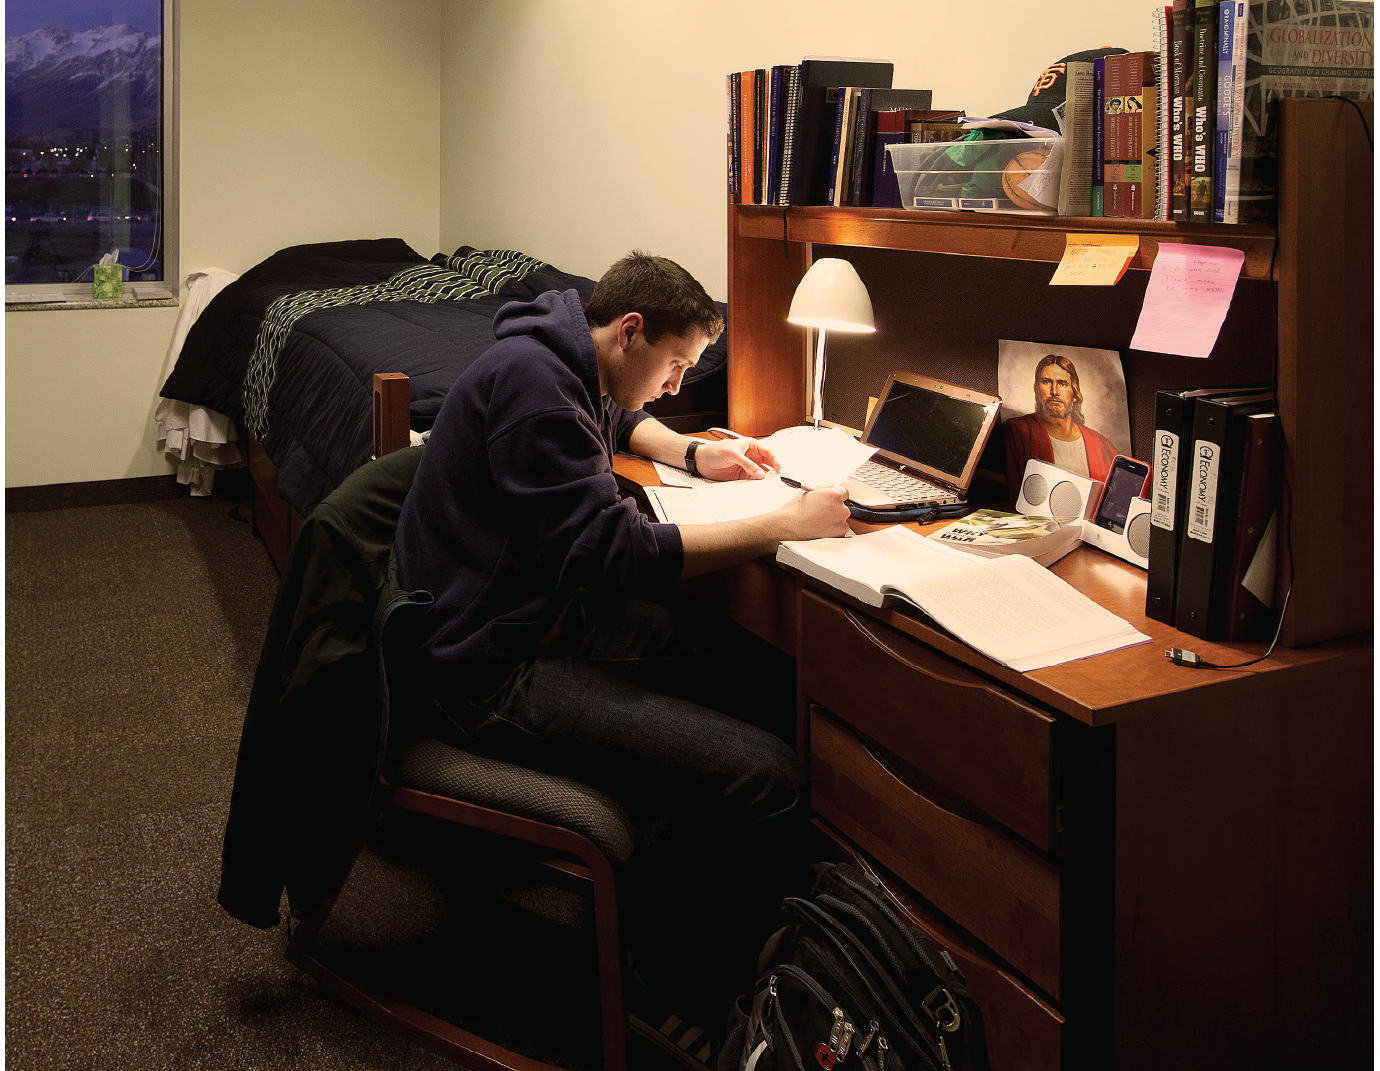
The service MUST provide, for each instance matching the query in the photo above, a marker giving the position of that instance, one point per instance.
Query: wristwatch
(690, 465)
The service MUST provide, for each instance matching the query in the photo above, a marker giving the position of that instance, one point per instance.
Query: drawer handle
(898, 656)
(969, 819)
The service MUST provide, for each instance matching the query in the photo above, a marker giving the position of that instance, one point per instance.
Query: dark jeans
(684, 718)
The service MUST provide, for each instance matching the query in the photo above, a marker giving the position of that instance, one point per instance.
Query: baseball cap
(1050, 89)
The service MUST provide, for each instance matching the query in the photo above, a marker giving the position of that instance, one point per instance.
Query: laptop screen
(931, 428)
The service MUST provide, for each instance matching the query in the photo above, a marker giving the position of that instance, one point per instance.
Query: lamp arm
(817, 406)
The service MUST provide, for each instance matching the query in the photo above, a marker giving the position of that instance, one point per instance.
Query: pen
(725, 431)
(805, 486)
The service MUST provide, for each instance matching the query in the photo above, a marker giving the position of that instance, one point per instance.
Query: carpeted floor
(132, 632)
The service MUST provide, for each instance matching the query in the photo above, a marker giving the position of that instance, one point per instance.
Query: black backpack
(847, 984)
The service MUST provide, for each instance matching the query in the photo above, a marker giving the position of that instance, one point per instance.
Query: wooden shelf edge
(1039, 238)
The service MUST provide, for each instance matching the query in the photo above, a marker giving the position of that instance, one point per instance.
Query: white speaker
(1049, 491)
(1134, 543)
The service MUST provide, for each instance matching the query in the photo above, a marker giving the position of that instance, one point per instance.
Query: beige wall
(305, 121)
(573, 131)
(577, 131)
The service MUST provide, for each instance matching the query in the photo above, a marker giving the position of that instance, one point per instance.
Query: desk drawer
(1002, 892)
(952, 725)
(1023, 1031)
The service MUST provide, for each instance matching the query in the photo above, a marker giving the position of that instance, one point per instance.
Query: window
(89, 145)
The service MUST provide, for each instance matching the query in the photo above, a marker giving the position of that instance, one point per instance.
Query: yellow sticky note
(1095, 259)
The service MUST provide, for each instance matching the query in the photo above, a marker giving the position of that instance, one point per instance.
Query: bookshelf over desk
(1318, 265)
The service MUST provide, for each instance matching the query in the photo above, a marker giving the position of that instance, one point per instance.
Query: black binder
(1209, 513)
(1169, 464)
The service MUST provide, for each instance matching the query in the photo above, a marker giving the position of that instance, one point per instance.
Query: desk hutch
(1139, 865)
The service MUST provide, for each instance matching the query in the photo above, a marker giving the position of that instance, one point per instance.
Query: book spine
(759, 88)
(1222, 119)
(1164, 19)
(1146, 193)
(1231, 178)
(1168, 480)
(1243, 614)
(774, 122)
(1114, 71)
(746, 96)
(734, 134)
(789, 134)
(885, 191)
(840, 100)
(1178, 122)
(1203, 115)
(1095, 186)
(1075, 183)
(862, 130)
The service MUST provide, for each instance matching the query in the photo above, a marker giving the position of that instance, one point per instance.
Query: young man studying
(558, 638)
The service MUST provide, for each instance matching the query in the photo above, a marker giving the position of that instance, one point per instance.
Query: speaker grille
(1138, 534)
(1035, 488)
(1065, 502)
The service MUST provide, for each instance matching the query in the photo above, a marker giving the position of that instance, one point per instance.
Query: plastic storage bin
(1018, 175)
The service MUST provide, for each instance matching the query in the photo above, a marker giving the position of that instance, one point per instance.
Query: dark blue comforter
(289, 350)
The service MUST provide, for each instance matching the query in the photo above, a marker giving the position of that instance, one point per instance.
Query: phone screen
(1123, 484)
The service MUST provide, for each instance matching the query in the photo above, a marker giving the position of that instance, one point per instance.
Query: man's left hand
(735, 459)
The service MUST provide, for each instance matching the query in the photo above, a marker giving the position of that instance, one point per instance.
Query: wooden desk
(1138, 865)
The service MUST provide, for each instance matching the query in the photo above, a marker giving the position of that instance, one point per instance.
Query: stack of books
(815, 133)
(1185, 132)
(1188, 132)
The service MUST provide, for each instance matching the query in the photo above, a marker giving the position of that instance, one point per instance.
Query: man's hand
(735, 459)
(810, 515)
(817, 514)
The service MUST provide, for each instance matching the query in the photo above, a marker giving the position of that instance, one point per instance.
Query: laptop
(928, 435)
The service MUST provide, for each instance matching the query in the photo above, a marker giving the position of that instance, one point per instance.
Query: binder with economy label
(1210, 506)
(1168, 480)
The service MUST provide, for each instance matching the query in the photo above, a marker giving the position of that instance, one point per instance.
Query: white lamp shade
(832, 296)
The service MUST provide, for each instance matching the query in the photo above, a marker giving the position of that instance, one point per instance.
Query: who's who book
(1169, 476)
(1210, 508)
(1306, 48)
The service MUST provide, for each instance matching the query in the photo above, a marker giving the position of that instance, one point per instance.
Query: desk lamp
(831, 297)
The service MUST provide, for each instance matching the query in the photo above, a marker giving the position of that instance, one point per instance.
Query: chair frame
(580, 858)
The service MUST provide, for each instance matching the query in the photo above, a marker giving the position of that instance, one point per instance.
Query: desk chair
(575, 829)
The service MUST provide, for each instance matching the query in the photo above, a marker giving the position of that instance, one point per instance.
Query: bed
(286, 354)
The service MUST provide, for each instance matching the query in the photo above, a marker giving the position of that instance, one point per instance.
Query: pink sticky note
(1187, 299)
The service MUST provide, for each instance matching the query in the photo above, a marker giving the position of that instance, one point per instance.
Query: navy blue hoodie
(515, 507)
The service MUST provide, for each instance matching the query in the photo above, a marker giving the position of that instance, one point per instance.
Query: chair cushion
(431, 765)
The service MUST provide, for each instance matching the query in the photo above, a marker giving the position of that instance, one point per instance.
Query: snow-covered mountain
(56, 79)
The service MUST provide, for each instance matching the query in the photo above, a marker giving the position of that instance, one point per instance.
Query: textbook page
(1011, 609)
(730, 500)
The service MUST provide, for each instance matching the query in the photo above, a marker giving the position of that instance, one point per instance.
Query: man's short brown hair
(669, 298)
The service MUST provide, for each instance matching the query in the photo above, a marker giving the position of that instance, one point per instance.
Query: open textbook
(1012, 610)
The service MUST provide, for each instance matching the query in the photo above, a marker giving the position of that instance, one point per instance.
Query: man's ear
(628, 326)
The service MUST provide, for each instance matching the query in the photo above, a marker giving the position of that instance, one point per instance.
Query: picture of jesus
(1056, 431)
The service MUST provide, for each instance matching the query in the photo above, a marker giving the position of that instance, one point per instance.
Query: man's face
(1053, 393)
(642, 373)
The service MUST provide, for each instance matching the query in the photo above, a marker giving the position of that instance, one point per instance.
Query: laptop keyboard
(901, 486)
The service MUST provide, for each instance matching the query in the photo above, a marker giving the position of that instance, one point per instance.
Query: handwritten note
(1095, 259)
(1187, 299)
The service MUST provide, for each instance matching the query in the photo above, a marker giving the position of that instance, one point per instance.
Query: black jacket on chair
(316, 728)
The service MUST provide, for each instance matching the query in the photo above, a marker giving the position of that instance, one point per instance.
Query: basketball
(1017, 170)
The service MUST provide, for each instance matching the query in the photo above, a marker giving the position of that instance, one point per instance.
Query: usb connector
(1181, 657)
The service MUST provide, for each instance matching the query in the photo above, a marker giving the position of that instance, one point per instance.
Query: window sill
(127, 302)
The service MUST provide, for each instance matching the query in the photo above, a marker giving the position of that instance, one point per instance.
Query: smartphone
(1126, 479)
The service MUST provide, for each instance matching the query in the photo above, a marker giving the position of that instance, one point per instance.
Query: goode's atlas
(1303, 48)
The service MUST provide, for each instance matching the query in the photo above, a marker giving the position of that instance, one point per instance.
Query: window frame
(69, 294)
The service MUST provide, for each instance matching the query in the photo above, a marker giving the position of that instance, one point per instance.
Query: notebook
(928, 435)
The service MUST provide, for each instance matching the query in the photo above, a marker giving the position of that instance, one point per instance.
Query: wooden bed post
(392, 401)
